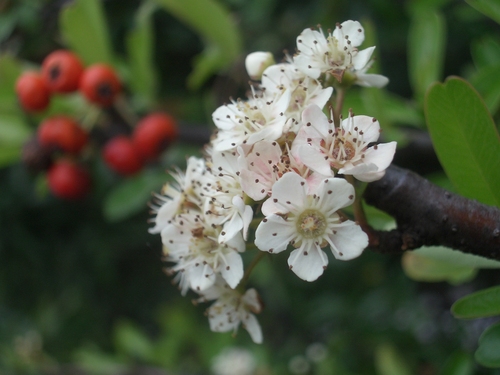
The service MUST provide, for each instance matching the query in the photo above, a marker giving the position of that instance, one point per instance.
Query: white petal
(308, 262)
(319, 122)
(255, 190)
(348, 242)
(307, 66)
(290, 190)
(223, 116)
(365, 124)
(232, 272)
(274, 234)
(362, 57)
(371, 80)
(354, 31)
(369, 177)
(201, 277)
(335, 193)
(382, 155)
(251, 324)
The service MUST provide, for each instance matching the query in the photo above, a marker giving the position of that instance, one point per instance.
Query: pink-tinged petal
(371, 80)
(252, 326)
(308, 262)
(274, 234)
(348, 241)
(313, 118)
(313, 158)
(353, 31)
(255, 190)
(201, 277)
(232, 269)
(366, 125)
(362, 58)
(381, 155)
(335, 193)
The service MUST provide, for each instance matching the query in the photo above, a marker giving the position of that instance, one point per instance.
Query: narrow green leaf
(480, 304)
(132, 195)
(140, 48)
(10, 70)
(84, 29)
(459, 363)
(223, 41)
(131, 341)
(465, 139)
(426, 48)
(490, 8)
(488, 353)
(486, 51)
(14, 131)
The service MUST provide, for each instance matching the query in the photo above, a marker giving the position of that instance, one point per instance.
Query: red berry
(63, 133)
(100, 84)
(153, 134)
(32, 91)
(68, 180)
(121, 156)
(62, 71)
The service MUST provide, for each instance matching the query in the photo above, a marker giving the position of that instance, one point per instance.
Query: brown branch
(428, 215)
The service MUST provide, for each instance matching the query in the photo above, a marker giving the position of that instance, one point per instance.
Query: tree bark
(428, 215)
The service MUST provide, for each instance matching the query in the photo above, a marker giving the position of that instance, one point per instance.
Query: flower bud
(257, 62)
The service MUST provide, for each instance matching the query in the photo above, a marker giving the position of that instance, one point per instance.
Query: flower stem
(339, 103)
(250, 268)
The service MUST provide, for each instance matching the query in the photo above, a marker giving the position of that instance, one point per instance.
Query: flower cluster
(272, 168)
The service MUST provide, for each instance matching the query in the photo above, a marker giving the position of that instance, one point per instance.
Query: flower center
(311, 224)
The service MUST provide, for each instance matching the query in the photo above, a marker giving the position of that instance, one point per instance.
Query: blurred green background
(82, 289)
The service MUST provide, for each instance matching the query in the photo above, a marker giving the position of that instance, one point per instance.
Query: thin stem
(359, 212)
(250, 268)
(123, 109)
(339, 103)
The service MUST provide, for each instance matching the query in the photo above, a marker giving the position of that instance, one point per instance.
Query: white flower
(224, 196)
(321, 146)
(191, 241)
(264, 164)
(304, 90)
(334, 54)
(257, 62)
(187, 188)
(241, 122)
(308, 220)
(233, 308)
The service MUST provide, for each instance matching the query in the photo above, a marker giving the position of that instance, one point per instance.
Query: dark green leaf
(465, 139)
(140, 48)
(488, 353)
(426, 48)
(132, 195)
(487, 82)
(459, 364)
(84, 29)
(479, 304)
(485, 52)
(223, 42)
(490, 8)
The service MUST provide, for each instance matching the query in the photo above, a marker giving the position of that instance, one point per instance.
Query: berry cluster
(61, 142)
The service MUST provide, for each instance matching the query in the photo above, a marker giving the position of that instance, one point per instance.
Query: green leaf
(465, 139)
(422, 268)
(426, 48)
(389, 362)
(132, 342)
(223, 41)
(488, 354)
(10, 70)
(132, 195)
(140, 48)
(459, 363)
(84, 29)
(487, 82)
(490, 8)
(478, 305)
(13, 133)
(485, 51)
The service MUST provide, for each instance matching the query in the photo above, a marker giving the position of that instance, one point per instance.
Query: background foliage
(81, 284)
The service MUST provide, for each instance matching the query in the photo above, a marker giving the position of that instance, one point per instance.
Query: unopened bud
(257, 62)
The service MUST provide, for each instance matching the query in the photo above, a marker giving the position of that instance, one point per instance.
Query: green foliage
(389, 362)
(426, 43)
(459, 363)
(488, 354)
(217, 29)
(465, 138)
(479, 304)
(85, 31)
(140, 49)
(490, 8)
